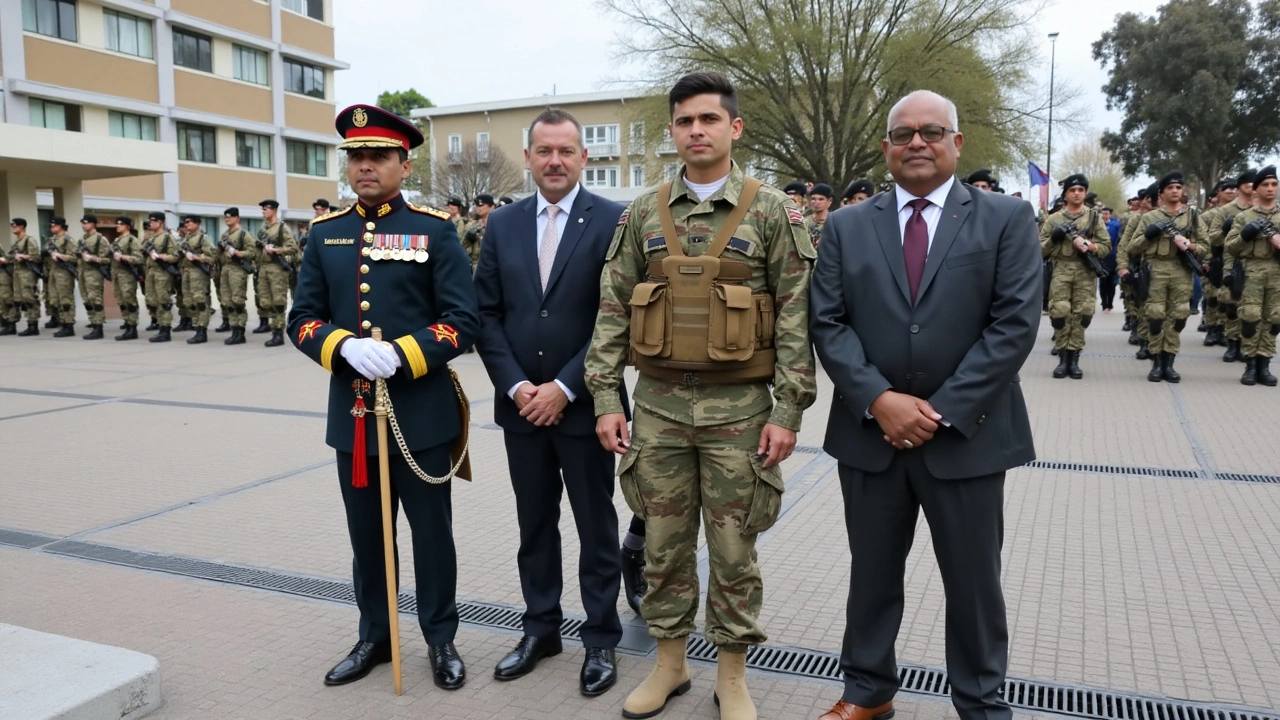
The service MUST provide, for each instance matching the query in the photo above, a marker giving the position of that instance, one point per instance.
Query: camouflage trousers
(160, 295)
(234, 290)
(1168, 305)
(25, 295)
(46, 292)
(274, 297)
(1072, 301)
(8, 303)
(124, 285)
(677, 476)
(1214, 313)
(62, 295)
(182, 292)
(1230, 312)
(196, 295)
(92, 285)
(1260, 308)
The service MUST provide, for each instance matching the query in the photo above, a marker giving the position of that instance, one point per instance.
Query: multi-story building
(186, 106)
(628, 148)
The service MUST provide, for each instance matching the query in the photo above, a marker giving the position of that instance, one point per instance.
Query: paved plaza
(1141, 549)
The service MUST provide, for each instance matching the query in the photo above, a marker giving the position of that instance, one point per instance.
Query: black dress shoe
(525, 657)
(599, 672)
(633, 577)
(361, 660)
(446, 666)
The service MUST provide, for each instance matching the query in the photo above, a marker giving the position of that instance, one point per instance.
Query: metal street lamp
(1053, 47)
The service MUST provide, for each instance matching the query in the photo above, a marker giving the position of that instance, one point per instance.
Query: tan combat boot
(669, 678)
(731, 687)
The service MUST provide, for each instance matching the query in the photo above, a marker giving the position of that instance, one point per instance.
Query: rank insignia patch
(626, 214)
(308, 330)
(445, 333)
(795, 216)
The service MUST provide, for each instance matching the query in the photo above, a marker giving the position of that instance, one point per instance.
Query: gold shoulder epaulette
(428, 210)
(332, 215)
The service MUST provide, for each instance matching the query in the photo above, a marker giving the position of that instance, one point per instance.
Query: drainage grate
(1150, 471)
(1034, 695)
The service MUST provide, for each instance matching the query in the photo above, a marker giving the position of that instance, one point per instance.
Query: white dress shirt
(932, 214)
(562, 221)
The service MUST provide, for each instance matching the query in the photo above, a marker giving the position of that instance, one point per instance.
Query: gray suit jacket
(960, 347)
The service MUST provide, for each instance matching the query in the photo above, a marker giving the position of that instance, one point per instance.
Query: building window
(197, 143)
(302, 158)
(249, 65)
(637, 176)
(311, 8)
(524, 135)
(637, 138)
(303, 79)
(455, 149)
(482, 147)
(667, 146)
(670, 171)
(600, 140)
(133, 127)
(253, 151)
(600, 177)
(55, 18)
(55, 115)
(192, 50)
(127, 34)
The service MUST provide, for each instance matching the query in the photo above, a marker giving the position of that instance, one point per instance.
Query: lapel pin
(580, 221)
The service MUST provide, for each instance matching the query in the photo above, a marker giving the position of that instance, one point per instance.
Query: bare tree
(474, 171)
(1106, 176)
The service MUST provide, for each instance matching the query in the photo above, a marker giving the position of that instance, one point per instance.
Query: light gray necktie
(547, 248)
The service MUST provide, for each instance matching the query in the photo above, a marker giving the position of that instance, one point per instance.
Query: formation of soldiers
(172, 269)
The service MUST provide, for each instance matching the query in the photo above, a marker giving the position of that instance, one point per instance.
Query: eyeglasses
(928, 133)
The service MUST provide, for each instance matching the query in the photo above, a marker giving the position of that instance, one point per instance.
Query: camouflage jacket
(279, 235)
(1188, 221)
(780, 253)
(1065, 249)
(1260, 248)
(200, 244)
(1218, 238)
(472, 238)
(64, 246)
(815, 228)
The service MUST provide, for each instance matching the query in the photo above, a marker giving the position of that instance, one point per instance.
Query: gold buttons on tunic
(368, 237)
(366, 324)
(364, 287)
(369, 226)
(365, 251)
(364, 305)
(364, 269)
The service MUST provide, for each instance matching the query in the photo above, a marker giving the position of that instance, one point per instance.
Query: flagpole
(1053, 47)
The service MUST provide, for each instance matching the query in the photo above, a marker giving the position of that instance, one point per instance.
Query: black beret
(190, 218)
(1076, 180)
(1134, 199)
(863, 186)
(125, 220)
(157, 215)
(369, 126)
(90, 218)
(484, 199)
(321, 203)
(1153, 192)
(824, 190)
(59, 221)
(1170, 178)
(1228, 184)
(269, 203)
(456, 202)
(231, 212)
(980, 175)
(20, 222)
(1246, 177)
(997, 189)
(1266, 173)
(505, 200)
(1142, 194)
(796, 188)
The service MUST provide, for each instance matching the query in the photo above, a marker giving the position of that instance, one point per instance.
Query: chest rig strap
(750, 187)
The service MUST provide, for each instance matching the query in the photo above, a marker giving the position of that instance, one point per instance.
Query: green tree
(1199, 84)
(402, 102)
(1106, 176)
(816, 78)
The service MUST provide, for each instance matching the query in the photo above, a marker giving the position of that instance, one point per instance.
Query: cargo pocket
(651, 320)
(732, 335)
(627, 478)
(764, 325)
(766, 497)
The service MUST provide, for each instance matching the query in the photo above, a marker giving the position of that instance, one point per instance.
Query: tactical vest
(695, 319)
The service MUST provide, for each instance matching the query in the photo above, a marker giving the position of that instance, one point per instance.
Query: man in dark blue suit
(538, 285)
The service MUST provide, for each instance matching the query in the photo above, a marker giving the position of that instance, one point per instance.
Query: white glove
(370, 358)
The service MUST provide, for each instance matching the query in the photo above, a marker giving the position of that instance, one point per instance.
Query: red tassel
(360, 460)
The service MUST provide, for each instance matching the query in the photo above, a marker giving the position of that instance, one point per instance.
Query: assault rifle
(280, 259)
(1068, 231)
(138, 274)
(1169, 230)
(185, 247)
(34, 267)
(149, 247)
(1261, 230)
(104, 269)
(48, 252)
(245, 263)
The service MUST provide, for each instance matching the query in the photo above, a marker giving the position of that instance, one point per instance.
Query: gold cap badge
(359, 118)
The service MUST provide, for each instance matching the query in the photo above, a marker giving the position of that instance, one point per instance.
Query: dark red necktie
(915, 245)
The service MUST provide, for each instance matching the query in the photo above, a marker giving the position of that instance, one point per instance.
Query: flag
(1040, 178)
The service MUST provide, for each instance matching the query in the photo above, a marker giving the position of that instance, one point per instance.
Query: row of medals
(393, 253)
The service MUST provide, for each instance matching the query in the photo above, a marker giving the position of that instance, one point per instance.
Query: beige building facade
(124, 107)
(624, 132)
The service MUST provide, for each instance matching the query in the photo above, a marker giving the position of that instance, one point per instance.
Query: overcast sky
(481, 50)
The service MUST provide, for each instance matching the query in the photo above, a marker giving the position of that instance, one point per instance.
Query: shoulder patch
(626, 215)
(332, 215)
(794, 215)
(427, 210)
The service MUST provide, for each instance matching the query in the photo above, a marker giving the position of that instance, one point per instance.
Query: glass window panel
(29, 19)
(112, 22)
(145, 44)
(128, 36)
(67, 20)
(47, 18)
(148, 128)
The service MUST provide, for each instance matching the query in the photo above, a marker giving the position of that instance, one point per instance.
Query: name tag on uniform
(339, 241)
(742, 246)
(654, 243)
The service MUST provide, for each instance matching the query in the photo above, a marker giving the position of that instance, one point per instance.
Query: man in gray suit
(923, 306)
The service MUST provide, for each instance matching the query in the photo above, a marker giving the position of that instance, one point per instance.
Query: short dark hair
(555, 116)
(704, 83)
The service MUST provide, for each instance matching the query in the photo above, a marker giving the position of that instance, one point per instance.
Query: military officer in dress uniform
(388, 264)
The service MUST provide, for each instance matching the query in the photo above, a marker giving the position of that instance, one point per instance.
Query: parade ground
(179, 501)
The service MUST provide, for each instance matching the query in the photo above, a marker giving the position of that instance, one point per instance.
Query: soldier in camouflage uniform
(473, 235)
(162, 254)
(1163, 236)
(46, 287)
(1224, 220)
(8, 307)
(454, 208)
(197, 258)
(237, 267)
(24, 256)
(704, 450)
(1214, 315)
(1071, 291)
(61, 276)
(1255, 239)
(95, 254)
(182, 290)
(820, 198)
(275, 244)
(129, 263)
(153, 308)
(1138, 334)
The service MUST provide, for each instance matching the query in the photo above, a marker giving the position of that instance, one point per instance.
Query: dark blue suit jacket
(526, 335)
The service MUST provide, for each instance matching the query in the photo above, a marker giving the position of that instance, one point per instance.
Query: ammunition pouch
(1236, 284)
